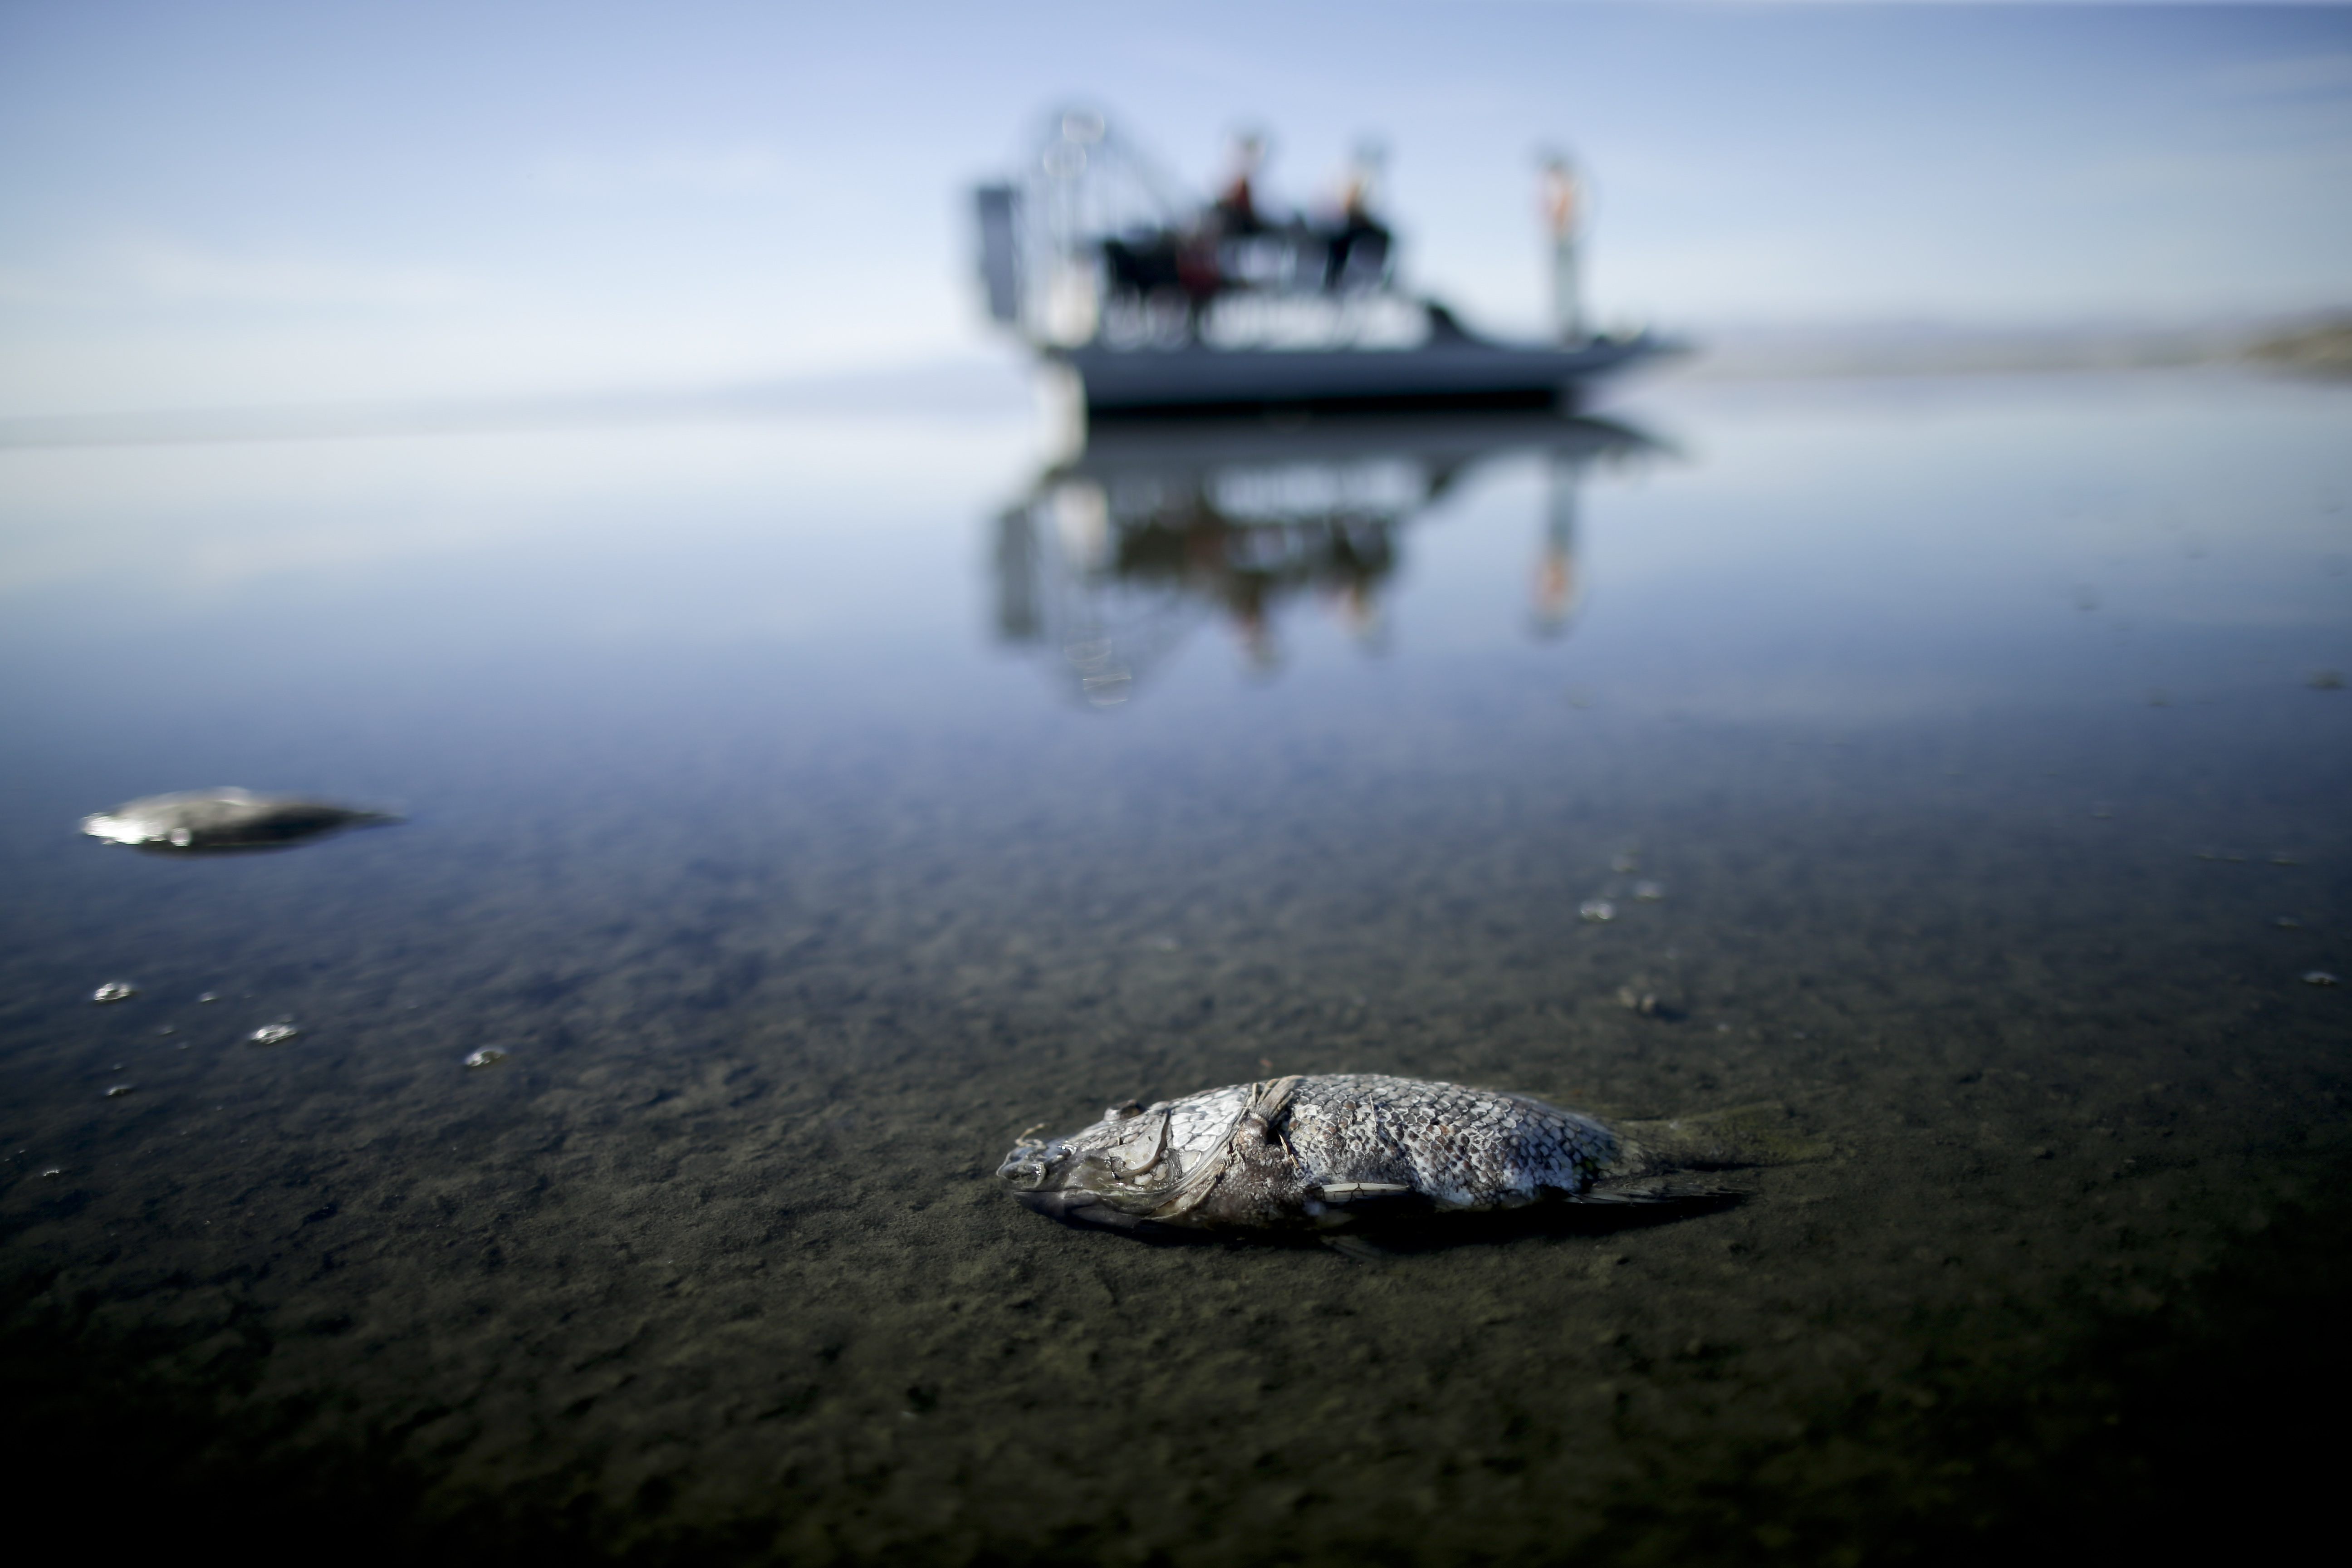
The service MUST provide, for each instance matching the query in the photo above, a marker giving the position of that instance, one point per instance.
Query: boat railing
(1096, 243)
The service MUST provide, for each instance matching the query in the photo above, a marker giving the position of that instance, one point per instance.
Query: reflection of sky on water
(1922, 547)
(1933, 529)
(1832, 552)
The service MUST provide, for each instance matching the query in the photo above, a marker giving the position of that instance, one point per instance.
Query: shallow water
(807, 807)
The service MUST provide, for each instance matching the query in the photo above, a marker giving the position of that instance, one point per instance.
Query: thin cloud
(743, 171)
(2302, 76)
(178, 270)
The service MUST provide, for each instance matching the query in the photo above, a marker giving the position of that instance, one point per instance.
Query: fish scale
(1462, 1148)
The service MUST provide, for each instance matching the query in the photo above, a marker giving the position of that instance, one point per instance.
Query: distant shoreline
(2311, 348)
(2321, 347)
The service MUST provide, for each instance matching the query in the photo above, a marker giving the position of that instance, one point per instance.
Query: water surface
(806, 806)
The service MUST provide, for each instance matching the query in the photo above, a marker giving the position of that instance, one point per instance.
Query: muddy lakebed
(796, 811)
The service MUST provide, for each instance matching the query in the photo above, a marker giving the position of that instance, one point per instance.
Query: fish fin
(1356, 1250)
(1347, 1192)
(1742, 1135)
(1657, 1190)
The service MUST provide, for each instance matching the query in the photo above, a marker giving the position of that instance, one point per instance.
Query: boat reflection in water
(1116, 554)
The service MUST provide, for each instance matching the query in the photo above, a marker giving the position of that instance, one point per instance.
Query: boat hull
(1446, 374)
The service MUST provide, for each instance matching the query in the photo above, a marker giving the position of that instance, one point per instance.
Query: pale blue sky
(229, 202)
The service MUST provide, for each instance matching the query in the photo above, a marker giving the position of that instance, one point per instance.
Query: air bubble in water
(1597, 910)
(114, 991)
(1649, 892)
(488, 1056)
(276, 1034)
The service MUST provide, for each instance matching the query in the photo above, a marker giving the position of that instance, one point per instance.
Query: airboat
(1159, 303)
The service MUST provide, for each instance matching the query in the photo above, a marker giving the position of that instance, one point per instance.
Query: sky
(227, 205)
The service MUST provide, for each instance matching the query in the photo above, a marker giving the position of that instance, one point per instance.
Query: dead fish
(1311, 1153)
(224, 818)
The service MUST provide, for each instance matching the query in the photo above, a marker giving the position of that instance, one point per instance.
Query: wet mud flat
(713, 1267)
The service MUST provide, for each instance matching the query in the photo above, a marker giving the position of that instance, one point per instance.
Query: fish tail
(1741, 1136)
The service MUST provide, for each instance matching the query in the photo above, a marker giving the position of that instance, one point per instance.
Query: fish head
(1103, 1173)
(1034, 1160)
(178, 821)
(113, 827)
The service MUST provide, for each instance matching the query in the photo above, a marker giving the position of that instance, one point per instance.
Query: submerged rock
(1314, 1152)
(224, 818)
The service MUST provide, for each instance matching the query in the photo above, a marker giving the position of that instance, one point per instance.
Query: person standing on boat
(1563, 213)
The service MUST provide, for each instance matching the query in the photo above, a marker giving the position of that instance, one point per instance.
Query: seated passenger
(1234, 211)
(1356, 252)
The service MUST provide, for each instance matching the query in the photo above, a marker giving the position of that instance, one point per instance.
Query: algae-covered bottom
(1964, 745)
